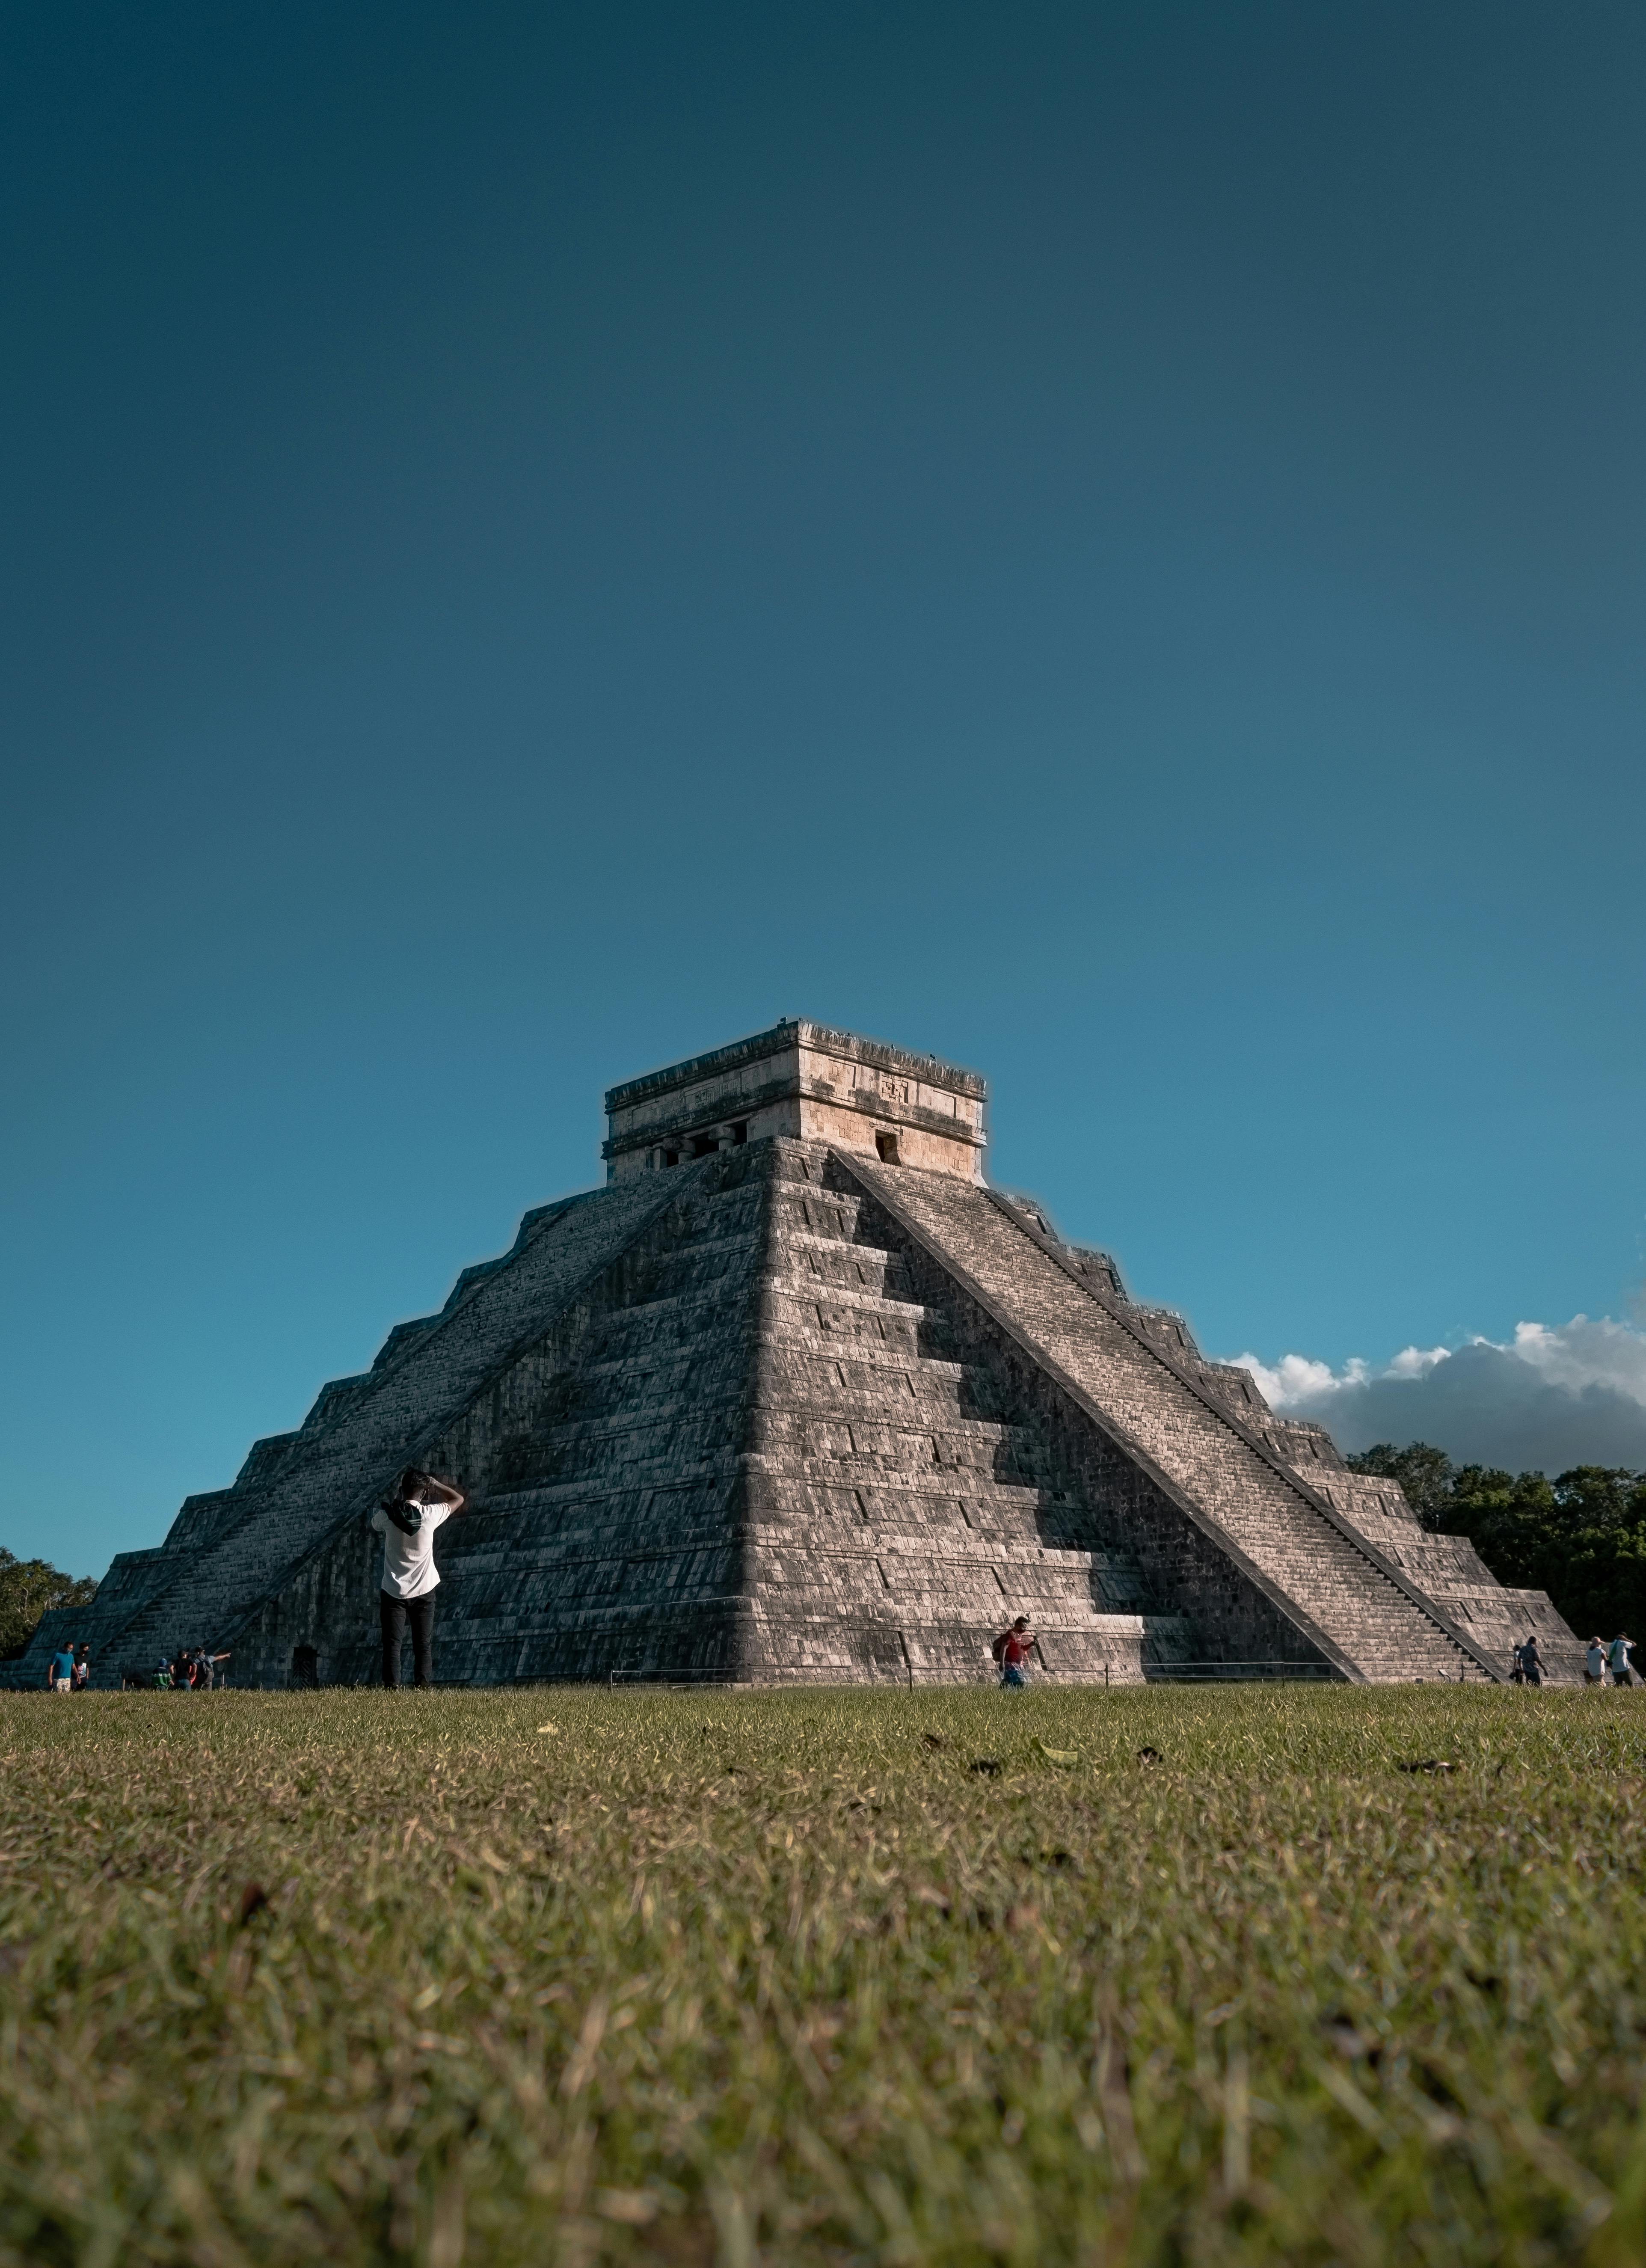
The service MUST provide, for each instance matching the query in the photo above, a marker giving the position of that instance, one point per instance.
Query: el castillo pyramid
(797, 1395)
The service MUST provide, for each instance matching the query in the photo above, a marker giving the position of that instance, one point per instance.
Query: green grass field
(566, 1976)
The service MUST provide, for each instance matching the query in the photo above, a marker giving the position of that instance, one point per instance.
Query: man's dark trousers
(396, 1614)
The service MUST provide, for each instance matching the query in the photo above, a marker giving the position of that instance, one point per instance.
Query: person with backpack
(1012, 1650)
(1618, 1660)
(407, 1520)
(1529, 1660)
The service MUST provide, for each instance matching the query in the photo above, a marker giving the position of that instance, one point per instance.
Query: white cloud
(1583, 1353)
(1412, 1362)
(1556, 1395)
(1296, 1382)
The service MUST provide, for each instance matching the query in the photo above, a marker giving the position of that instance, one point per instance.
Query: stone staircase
(890, 1487)
(1376, 1623)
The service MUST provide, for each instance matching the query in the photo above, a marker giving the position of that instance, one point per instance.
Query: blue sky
(1104, 543)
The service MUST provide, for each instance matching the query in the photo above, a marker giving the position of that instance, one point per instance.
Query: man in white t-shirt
(407, 1520)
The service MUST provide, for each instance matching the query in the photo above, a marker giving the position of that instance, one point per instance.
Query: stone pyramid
(797, 1396)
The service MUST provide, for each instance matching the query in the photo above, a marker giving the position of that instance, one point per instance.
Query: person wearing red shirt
(1012, 1649)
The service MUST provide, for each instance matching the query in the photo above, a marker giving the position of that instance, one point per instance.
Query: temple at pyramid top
(812, 1083)
(796, 1394)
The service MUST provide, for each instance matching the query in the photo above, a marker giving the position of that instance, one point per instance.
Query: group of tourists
(69, 1670)
(1603, 1664)
(1611, 1664)
(191, 1669)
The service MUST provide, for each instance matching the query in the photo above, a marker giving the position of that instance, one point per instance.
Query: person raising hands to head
(407, 1520)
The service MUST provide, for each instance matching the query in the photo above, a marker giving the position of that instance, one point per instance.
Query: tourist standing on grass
(1595, 1663)
(1618, 1660)
(1012, 1650)
(60, 1672)
(1529, 1660)
(407, 1520)
(82, 1668)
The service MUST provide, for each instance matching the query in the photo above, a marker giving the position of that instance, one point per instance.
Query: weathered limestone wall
(803, 1081)
(856, 1126)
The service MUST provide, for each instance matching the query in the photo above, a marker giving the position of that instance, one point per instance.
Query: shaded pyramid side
(607, 1521)
(230, 1551)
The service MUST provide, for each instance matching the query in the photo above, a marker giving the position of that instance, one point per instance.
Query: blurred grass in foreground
(566, 1976)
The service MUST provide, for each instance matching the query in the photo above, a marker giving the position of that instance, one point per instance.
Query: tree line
(30, 1588)
(1581, 1536)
